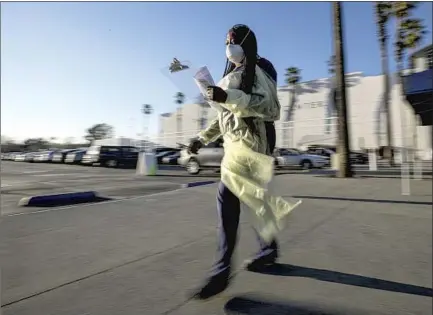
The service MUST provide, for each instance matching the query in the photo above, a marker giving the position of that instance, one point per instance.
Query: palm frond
(292, 75)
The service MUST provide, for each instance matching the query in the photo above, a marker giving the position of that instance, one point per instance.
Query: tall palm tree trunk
(288, 120)
(345, 168)
(385, 71)
(399, 62)
(291, 111)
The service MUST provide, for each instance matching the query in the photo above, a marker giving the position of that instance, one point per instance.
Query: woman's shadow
(256, 305)
(260, 306)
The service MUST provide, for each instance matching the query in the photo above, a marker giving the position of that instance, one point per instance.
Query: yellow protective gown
(246, 169)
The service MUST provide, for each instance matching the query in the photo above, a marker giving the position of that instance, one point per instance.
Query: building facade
(422, 59)
(314, 118)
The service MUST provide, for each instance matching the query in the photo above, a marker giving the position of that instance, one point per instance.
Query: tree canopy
(99, 131)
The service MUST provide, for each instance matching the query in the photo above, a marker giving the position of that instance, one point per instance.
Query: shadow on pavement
(263, 306)
(426, 203)
(347, 279)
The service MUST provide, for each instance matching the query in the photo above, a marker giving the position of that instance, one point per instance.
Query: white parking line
(12, 184)
(48, 175)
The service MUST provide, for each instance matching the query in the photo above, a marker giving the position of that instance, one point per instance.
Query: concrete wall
(309, 125)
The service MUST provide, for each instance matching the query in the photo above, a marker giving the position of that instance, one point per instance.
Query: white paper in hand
(203, 79)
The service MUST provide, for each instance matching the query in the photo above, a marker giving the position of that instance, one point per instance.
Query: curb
(195, 184)
(59, 199)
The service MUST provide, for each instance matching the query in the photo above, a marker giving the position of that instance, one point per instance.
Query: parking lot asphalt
(19, 179)
(355, 246)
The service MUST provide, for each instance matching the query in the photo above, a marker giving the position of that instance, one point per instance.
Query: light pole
(147, 110)
(146, 162)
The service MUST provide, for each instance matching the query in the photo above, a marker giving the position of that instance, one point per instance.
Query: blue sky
(66, 66)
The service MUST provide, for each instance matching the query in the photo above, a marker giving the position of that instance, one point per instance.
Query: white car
(295, 158)
(21, 157)
(44, 156)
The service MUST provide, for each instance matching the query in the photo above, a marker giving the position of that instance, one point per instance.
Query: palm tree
(330, 108)
(383, 12)
(409, 34)
(203, 106)
(345, 167)
(179, 99)
(293, 77)
(203, 114)
(409, 31)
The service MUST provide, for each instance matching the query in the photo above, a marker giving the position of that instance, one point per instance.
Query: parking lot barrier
(59, 199)
(195, 184)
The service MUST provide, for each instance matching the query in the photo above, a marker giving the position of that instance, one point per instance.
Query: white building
(310, 124)
(422, 59)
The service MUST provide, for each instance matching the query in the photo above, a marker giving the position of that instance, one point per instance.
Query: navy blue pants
(229, 209)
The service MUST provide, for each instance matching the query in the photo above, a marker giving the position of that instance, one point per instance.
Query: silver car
(294, 158)
(208, 157)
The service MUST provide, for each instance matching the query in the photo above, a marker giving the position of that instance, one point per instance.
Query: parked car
(11, 156)
(359, 157)
(322, 151)
(75, 157)
(171, 159)
(355, 157)
(208, 157)
(29, 156)
(20, 157)
(110, 156)
(60, 156)
(295, 158)
(44, 156)
(161, 155)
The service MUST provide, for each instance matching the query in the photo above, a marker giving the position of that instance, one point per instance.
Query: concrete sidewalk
(355, 246)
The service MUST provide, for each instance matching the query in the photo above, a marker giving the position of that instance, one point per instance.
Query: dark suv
(111, 156)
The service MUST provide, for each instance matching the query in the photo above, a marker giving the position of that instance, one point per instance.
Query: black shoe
(261, 263)
(213, 286)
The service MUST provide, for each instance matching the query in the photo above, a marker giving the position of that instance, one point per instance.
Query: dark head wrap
(242, 35)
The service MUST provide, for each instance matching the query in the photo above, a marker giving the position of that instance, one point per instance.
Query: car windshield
(289, 152)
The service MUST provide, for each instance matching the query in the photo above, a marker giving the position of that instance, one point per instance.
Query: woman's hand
(216, 94)
(194, 146)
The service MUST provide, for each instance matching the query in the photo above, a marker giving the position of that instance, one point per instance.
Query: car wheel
(306, 165)
(193, 167)
(111, 163)
(276, 164)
